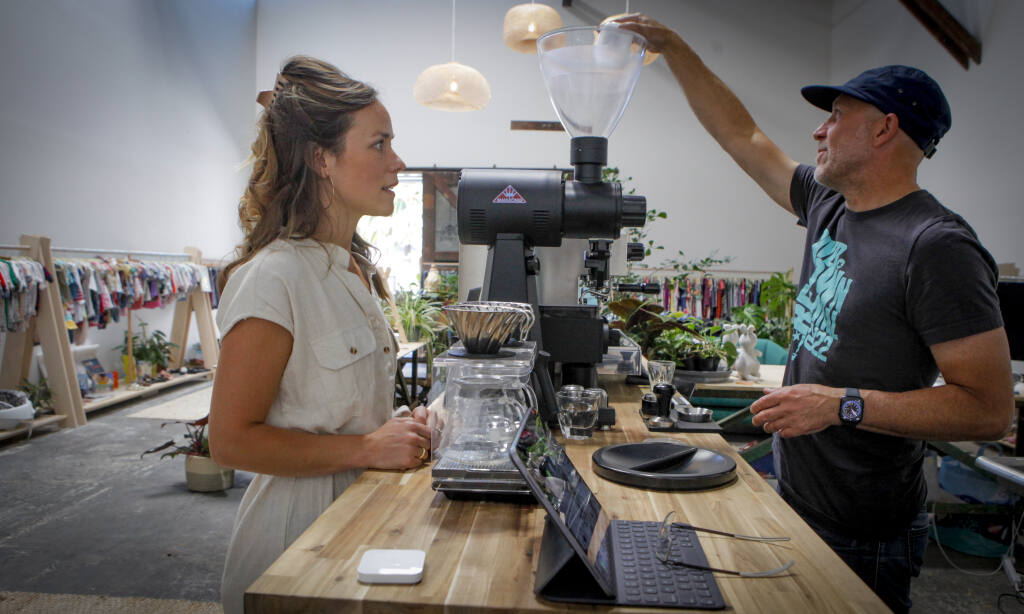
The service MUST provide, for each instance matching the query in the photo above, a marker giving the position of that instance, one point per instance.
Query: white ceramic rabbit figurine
(747, 366)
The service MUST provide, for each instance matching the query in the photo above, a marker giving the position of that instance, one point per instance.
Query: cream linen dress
(340, 379)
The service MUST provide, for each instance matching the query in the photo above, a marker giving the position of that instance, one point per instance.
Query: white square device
(391, 566)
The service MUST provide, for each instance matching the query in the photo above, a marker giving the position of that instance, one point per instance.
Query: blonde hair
(311, 107)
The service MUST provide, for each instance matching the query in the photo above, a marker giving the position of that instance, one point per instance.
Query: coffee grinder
(590, 74)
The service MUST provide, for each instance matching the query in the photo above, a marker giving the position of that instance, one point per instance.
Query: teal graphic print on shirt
(821, 299)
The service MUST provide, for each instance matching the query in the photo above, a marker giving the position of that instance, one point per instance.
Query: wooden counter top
(482, 555)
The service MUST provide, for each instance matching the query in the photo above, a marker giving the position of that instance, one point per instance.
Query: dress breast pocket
(344, 359)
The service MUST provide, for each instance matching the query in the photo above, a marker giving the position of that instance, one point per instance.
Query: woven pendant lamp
(524, 23)
(650, 56)
(452, 86)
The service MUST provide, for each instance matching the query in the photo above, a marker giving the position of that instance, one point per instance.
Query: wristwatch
(851, 408)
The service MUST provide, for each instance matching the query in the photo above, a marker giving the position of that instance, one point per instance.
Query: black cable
(999, 600)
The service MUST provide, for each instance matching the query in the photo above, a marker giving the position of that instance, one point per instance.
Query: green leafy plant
(154, 349)
(643, 321)
(676, 345)
(196, 442)
(773, 319)
(39, 394)
(423, 320)
(447, 291)
(683, 266)
(159, 349)
(684, 346)
(714, 346)
(420, 315)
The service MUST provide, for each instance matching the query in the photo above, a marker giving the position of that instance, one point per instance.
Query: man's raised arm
(719, 110)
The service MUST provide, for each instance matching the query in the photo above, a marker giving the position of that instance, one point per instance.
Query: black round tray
(703, 377)
(697, 471)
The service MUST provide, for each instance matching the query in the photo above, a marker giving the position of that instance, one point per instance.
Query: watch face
(851, 410)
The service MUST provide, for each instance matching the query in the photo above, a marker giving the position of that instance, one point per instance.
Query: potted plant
(152, 353)
(39, 394)
(642, 321)
(423, 320)
(773, 319)
(201, 473)
(678, 345)
(159, 350)
(693, 346)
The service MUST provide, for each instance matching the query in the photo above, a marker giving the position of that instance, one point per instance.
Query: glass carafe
(484, 414)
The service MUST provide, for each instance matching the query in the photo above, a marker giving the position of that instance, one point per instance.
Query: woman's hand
(401, 443)
(434, 422)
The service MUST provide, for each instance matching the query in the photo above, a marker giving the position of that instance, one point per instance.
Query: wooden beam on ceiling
(960, 43)
(518, 124)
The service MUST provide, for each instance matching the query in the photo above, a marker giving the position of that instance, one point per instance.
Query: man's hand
(658, 36)
(797, 410)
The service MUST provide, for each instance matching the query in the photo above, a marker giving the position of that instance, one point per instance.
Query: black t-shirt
(877, 289)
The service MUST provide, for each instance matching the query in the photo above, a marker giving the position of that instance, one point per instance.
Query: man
(895, 289)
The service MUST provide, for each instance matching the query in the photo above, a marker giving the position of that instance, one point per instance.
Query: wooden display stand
(69, 407)
(53, 336)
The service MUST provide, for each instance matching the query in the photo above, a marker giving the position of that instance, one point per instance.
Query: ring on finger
(422, 456)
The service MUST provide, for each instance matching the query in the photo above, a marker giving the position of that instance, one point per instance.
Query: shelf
(121, 396)
(30, 424)
(118, 397)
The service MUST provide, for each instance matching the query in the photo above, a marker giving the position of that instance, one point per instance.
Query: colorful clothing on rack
(709, 296)
(21, 279)
(96, 291)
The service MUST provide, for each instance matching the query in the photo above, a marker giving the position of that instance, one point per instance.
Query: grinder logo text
(509, 195)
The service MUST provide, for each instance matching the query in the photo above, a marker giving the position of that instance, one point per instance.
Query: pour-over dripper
(590, 74)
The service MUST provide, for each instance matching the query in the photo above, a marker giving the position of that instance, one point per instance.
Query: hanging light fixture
(452, 86)
(650, 56)
(524, 23)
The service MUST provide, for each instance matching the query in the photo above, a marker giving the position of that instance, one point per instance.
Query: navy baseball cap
(912, 95)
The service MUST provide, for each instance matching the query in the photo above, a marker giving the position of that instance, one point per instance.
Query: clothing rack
(716, 272)
(69, 407)
(672, 280)
(122, 252)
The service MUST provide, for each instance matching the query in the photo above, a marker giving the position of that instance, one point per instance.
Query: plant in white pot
(201, 473)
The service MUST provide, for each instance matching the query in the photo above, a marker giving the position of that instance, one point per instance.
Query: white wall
(977, 170)
(124, 124)
(766, 54)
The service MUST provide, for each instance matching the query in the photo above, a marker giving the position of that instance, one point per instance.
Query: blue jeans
(888, 566)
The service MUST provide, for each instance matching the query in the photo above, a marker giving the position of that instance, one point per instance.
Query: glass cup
(577, 413)
(571, 390)
(660, 371)
(602, 400)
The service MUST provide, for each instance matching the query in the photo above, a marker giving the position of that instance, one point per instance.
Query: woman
(305, 384)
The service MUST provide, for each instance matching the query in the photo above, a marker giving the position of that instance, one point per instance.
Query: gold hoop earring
(330, 200)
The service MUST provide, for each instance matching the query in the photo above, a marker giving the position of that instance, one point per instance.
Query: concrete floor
(83, 514)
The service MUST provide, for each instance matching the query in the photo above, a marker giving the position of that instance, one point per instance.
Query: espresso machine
(590, 74)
